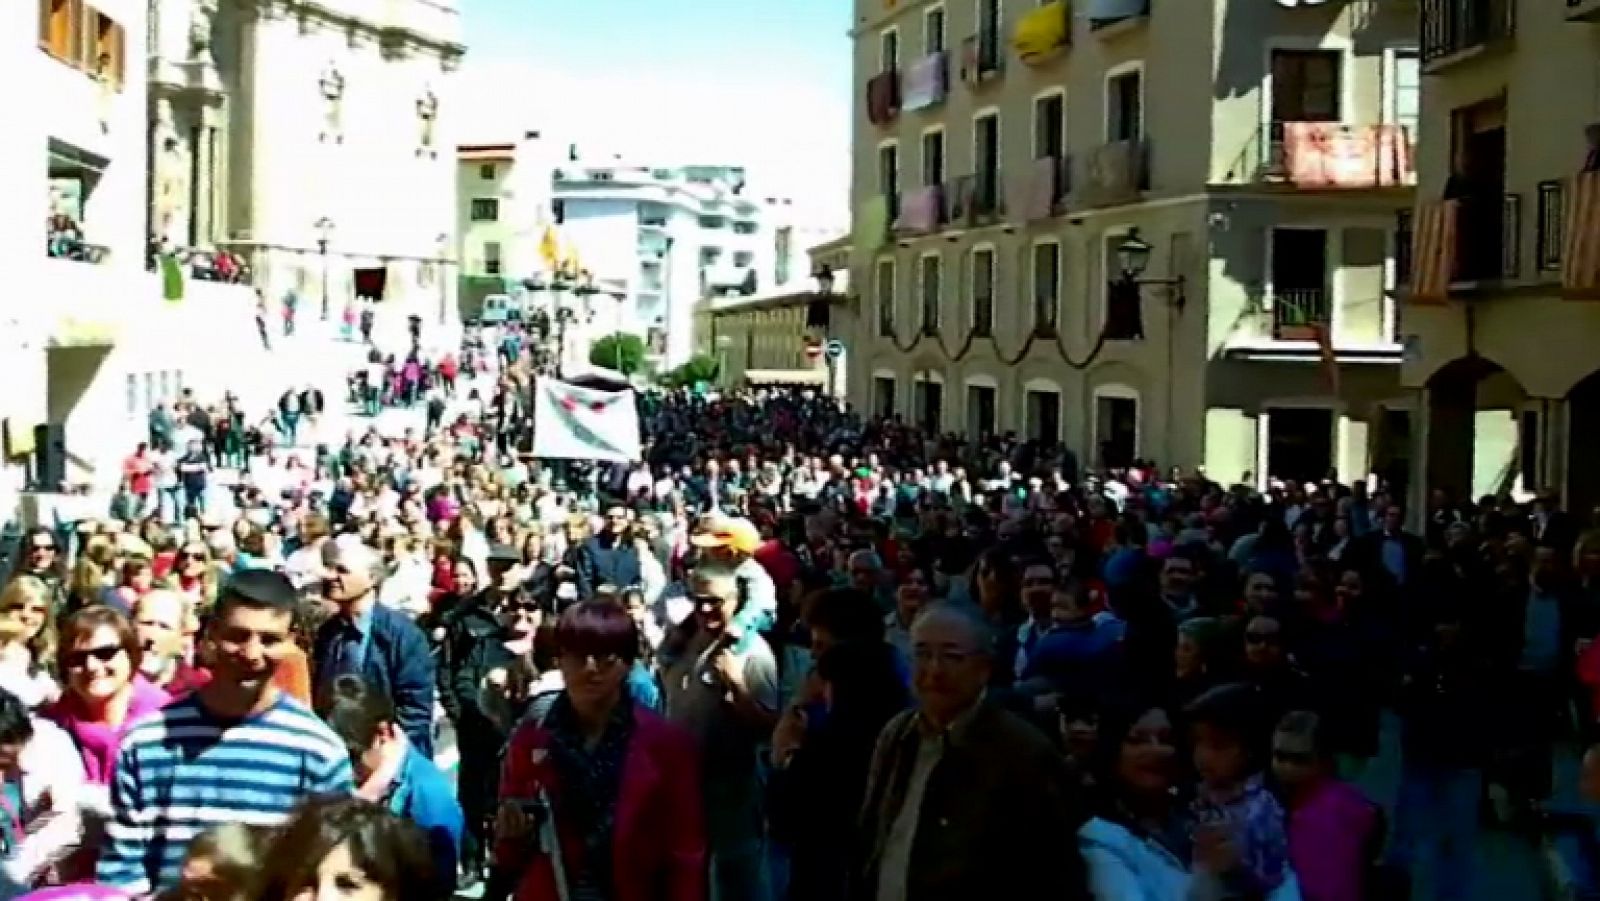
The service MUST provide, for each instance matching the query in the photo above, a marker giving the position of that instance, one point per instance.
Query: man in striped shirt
(236, 750)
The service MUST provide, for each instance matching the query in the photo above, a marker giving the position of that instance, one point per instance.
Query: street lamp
(324, 227)
(1124, 316)
(824, 277)
(1133, 255)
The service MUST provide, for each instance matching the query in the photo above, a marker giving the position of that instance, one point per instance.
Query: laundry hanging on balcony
(1433, 251)
(1334, 155)
(924, 83)
(1580, 275)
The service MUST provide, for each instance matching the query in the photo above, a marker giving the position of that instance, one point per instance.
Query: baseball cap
(733, 533)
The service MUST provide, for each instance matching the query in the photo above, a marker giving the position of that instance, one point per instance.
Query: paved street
(1509, 866)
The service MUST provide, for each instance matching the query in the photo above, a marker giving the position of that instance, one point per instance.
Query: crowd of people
(792, 653)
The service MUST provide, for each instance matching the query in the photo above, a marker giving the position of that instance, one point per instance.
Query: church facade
(310, 137)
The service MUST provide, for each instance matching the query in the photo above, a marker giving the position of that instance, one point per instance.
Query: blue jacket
(1069, 653)
(423, 795)
(396, 662)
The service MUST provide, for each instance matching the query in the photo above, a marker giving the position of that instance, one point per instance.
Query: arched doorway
(1583, 436)
(1476, 439)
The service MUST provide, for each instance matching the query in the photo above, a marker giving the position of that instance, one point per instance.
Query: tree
(620, 351)
(698, 368)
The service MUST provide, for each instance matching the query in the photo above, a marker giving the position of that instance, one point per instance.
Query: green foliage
(619, 351)
(699, 368)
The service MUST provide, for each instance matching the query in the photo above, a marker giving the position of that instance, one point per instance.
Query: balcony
(922, 211)
(1456, 30)
(1112, 18)
(1583, 10)
(976, 199)
(926, 83)
(980, 58)
(883, 98)
(1460, 246)
(1327, 156)
(1299, 315)
(1043, 34)
(1116, 173)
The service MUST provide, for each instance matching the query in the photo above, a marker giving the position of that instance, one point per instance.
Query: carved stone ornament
(427, 117)
(332, 86)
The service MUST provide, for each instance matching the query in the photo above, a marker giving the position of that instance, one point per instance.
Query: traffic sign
(835, 349)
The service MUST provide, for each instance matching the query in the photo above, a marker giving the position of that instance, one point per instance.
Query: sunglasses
(79, 659)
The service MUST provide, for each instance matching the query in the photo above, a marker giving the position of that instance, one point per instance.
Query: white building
(310, 136)
(503, 214)
(666, 237)
(87, 341)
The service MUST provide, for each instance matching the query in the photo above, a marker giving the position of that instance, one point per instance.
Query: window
(782, 241)
(889, 51)
(486, 171)
(82, 36)
(980, 411)
(931, 283)
(744, 258)
(983, 291)
(1300, 301)
(486, 209)
(1046, 285)
(883, 389)
(883, 291)
(889, 169)
(709, 256)
(933, 158)
(61, 29)
(1405, 90)
(1305, 85)
(933, 30)
(491, 258)
(1049, 126)
(986, 161)
(558, 209)
(745, 228)
(927, 400)
(1124, 107)
(1548, 228)
(989, 20)
(108, 58)
(712, 222)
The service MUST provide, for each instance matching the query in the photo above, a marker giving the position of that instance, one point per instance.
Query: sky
(759, 83)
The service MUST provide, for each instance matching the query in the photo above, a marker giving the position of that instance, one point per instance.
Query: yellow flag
(550, 247)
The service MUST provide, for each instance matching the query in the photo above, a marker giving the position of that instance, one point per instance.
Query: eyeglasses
(191, 556)
(79, 659)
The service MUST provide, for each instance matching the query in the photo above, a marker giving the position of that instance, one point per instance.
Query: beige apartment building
(780, 337)
(1146, 228)
(1502, 320)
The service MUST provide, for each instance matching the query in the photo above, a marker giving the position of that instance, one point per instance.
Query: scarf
(591, 781)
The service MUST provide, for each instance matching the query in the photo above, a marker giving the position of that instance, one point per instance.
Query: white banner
(574, 423)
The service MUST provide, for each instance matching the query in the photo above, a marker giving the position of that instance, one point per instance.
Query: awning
(786, 376)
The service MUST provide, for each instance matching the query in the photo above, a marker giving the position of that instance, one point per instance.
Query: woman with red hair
(599, 797)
